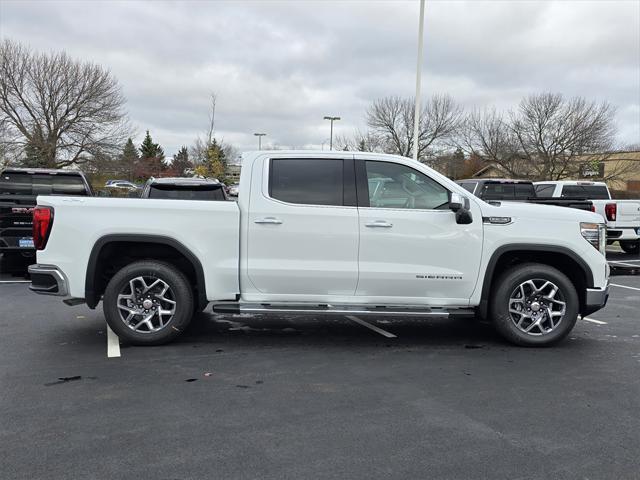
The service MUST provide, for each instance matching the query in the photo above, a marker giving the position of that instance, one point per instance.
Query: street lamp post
(259, 135)
(332, 119)
(416, 124)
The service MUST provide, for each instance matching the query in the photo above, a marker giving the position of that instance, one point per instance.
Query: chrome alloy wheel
(146, 304)
(537, 307)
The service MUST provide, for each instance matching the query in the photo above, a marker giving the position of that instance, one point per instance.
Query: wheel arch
(569, 262)
(143, 246)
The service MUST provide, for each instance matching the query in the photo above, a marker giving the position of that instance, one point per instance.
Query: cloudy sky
(280, 66)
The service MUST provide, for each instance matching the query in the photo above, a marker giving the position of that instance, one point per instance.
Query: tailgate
(16, 220)
(628, 213)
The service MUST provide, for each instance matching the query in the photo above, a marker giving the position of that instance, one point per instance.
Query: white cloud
(280, 66)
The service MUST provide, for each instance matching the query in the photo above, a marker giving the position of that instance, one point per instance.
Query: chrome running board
(327, 309)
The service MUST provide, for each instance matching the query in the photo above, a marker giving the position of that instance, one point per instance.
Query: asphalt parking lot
(248, 397)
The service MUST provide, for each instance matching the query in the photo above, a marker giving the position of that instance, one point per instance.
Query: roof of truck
(184, 181)
(571, 182)
(494, 180)
(49, 171)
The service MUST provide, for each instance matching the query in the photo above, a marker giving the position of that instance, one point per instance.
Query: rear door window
(307, 181)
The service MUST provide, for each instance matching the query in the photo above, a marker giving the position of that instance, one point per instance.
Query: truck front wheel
(534, 305)
(630, 246)
(148, 303)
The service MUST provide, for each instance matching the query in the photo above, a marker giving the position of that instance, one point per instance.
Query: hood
(517, 210)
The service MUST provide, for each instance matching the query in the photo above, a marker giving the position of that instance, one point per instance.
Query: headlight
(595, 234)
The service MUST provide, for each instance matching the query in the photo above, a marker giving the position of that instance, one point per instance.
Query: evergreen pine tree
(128, 159)
(181, 161)
(149, 149)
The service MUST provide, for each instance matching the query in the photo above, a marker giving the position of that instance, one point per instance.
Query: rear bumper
(626, 233)
(48, 280)
(595, 299)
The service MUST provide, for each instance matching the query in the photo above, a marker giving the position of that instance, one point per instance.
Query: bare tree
(547, 137)
(60, 110)
(212, 117)
(359, 141)
(392, 119)
(487, 134)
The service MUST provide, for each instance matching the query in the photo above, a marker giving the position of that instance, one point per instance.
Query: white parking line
(623, 261)
(15, 281)
(113, 344)
(382, 332)
(624, 286)
(593, 320)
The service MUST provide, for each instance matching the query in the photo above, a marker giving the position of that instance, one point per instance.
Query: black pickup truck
(510, 190)
(19, 188)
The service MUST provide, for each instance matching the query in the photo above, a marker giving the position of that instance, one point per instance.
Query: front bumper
(48, 280)
(595, 299)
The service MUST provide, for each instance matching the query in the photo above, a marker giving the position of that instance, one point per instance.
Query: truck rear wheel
(534, 305)
(148, 303)
(630, 246)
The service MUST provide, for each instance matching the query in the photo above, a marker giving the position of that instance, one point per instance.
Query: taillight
(593, 208)
(42, 223)
(610, 210)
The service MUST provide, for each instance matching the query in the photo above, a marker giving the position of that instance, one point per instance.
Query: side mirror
(456, 202)
(461, 205)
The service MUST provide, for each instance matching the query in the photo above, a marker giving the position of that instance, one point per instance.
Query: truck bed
(209, 230)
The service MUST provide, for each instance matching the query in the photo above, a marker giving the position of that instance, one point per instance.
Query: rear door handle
(379, 224)
(271, 220)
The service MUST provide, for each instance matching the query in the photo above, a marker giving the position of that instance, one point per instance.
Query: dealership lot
(253, 397)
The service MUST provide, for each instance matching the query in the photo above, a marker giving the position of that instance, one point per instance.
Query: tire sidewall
(500, 304)
(630, 246)
(178, 284)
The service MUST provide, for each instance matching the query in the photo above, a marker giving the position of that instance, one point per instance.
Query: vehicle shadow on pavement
(328, 331)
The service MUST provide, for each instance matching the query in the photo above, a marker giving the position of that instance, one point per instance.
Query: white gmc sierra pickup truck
(324, 233)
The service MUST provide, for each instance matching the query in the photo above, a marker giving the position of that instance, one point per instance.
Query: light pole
(416, 125)
(259, 135)
(331, 136)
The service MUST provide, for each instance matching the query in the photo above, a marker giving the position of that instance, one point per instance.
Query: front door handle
(379, 224)
(271, 220)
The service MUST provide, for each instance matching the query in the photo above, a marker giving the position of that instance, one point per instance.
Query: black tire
(179, 289)
(503, 319)
(630, 246)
